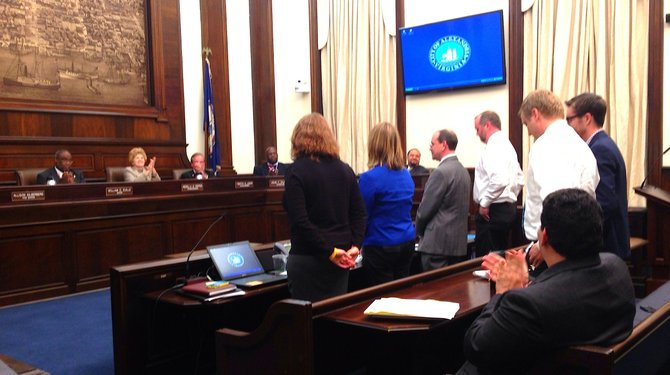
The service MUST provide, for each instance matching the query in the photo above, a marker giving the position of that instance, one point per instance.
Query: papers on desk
(412, 308)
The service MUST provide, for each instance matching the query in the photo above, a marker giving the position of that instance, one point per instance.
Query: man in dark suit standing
(586, 114)
(61, 173)
(442, 217)
(271, 166)
(583, 298)
(198, 170)
(414, 162)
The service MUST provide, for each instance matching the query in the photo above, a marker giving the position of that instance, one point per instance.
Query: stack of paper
(412, 308)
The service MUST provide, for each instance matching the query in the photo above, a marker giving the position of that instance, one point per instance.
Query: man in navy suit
(198, 170)
(61, 173)
(271, 166)
(586, 114)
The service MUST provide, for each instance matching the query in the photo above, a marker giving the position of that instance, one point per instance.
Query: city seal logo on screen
(449, 53)
(236, 260)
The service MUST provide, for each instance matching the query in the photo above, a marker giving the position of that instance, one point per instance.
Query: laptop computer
(238, 263)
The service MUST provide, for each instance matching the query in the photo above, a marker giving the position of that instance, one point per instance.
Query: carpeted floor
(69, 335)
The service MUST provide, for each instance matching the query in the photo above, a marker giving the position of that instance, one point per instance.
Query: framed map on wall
(81, 52)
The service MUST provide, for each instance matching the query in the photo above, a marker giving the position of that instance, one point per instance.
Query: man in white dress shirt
(498, 181)
(558, 159)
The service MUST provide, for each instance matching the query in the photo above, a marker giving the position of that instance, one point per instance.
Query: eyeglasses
(570, 118)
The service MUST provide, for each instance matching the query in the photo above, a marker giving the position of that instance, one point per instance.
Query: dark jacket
(418, 170)
(575, 302)
(52, 174)
(191, 174)
(611, 193)
(263, 170)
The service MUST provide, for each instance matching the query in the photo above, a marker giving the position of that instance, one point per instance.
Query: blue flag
(209, 122)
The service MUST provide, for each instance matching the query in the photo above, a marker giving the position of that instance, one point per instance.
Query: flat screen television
(454, 54)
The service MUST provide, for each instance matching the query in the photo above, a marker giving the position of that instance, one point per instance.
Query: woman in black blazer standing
(326, 213)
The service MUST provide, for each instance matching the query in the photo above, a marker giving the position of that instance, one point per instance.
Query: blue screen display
(454, 54)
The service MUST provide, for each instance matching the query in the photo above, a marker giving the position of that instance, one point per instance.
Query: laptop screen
(235, 260)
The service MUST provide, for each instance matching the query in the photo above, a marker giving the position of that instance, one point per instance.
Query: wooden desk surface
(470, 292)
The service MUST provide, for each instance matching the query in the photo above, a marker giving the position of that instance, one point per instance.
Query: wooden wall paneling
(316, 87)
(657, 216)
(156, 51)
(281, 228)
(35, 129)
(122, 245)
(655, 92)
(401, 104)
(262, 76)
(83, 239)
(215, 37)
(186, 233)
(247, 226)
(32, 266)
(515, 76)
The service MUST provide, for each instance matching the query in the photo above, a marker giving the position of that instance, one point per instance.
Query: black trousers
(493, 234)
(387, 263)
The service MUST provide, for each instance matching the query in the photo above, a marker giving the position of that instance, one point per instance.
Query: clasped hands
(509, 272)
(345, 258)
(67, 178)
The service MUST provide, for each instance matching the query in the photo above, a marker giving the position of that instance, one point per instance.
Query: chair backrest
(176, 173)
(27, 176)
(115, 174)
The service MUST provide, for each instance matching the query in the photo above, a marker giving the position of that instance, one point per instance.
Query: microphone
(188, 258)
(655, 163)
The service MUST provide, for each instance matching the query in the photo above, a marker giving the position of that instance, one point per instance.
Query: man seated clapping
(583, 298)
(61, 173)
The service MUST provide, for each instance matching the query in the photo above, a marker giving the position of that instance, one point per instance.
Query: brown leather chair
(27, 176)
(115, 174)
(176, 173)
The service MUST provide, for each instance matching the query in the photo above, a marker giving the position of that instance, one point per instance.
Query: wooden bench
(299, 337)
(645, 351)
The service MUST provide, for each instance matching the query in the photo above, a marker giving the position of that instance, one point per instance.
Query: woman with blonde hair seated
(137, 171)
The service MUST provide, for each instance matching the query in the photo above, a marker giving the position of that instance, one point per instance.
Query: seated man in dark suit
(271, 167)
(61, 173)
(198, 170)
(583, 298)
(413, 160)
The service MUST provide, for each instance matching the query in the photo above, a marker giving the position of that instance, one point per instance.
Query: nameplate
(25, 196)
(119, 191)
(244, 184)
(276, 183)
(187, 188)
